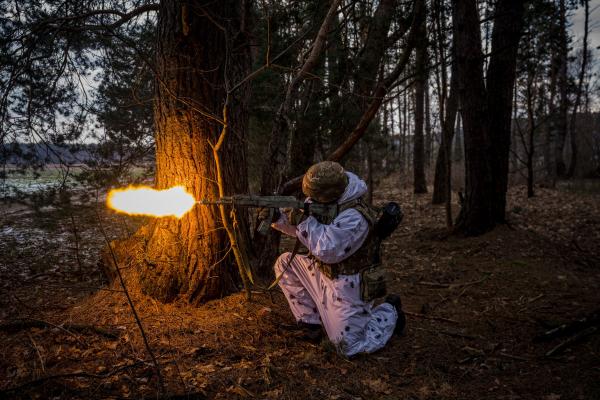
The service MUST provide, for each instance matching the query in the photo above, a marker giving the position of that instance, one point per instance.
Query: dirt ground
(474, 307)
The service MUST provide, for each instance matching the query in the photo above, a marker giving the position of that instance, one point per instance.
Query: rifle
(274, 203)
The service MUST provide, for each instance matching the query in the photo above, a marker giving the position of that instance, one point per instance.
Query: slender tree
(442, 190)
(419, 182)
(561, 124)
(579, 91)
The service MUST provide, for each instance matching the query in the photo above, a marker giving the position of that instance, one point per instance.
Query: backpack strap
(370, 213)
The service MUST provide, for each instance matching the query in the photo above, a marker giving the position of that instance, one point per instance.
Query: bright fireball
(143, 200)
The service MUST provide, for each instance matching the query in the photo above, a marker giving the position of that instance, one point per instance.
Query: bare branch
(382, 89)
(124, 17)
(279, 132)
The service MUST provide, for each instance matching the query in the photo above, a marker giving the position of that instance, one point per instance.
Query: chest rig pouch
(372, 283)
(366, 260)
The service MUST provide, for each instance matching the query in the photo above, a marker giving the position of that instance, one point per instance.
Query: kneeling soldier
(323, 288)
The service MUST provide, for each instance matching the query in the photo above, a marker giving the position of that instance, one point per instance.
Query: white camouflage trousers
(351, 324)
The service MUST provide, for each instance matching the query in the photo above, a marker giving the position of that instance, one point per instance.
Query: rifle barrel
(271, 202)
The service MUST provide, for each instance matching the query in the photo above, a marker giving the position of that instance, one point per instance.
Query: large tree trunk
(500, 83)
(186, 258)
(419, 183)
(476, 213)
(486, 113)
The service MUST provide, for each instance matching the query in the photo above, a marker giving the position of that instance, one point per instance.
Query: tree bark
(500, 81)
(443, 163)
(303, 134)
(272, 176)
(561, 123)
(377, 99)
(200, 49)
(501, 75)
(486, 112)
(550, 142)
(367, 68)
(476, 216)
(580, 84)
(273, 170)
(428, 133)
(419, 182)
(404, 130)
(531, 127)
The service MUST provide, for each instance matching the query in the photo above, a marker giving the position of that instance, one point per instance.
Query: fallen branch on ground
(161, 384)
(589, 320)
(22, 324)
(450, 333)
(452, 285)
(36, 382)
(573, 339)
(512, 356)
(417, 315)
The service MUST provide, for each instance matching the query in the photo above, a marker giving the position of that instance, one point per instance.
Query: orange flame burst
(143, 200)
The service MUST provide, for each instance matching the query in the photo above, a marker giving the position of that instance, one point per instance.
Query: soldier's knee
(282, 262)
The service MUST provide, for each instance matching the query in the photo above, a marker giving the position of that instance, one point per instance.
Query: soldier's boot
(395, 300)
(312, 333)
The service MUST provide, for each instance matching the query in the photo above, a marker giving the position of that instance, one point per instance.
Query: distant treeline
(67, 154)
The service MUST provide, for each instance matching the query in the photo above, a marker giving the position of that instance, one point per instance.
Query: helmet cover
(325, 182)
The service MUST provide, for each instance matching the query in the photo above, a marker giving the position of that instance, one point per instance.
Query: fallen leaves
(377, 385)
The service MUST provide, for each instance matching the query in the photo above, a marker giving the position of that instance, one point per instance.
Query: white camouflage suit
(351, 324)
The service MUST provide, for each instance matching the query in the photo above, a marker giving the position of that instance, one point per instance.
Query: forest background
(491, 108)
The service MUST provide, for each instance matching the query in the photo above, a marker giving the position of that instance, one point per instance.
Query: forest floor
(475, 306)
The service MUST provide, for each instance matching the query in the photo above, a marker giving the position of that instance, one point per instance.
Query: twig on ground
(453, 285)
(518, 358)
(592, 319)
(36, 382)
(418, 315)
(76, 247)
(161, 384)
(23, 303)
(449, 333)
(571, 340)
(37, 351)
(531, 301)
(27, 323)
(535, 298)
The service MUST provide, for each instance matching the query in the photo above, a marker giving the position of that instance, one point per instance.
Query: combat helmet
(325, 182)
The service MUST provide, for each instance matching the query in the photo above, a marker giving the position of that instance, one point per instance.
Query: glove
(294, 215)
(283, 225)
(263, 213)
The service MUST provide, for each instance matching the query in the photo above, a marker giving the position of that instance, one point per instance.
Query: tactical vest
(366, 255)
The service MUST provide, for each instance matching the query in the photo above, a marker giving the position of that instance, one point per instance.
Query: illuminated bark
(189, 258)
